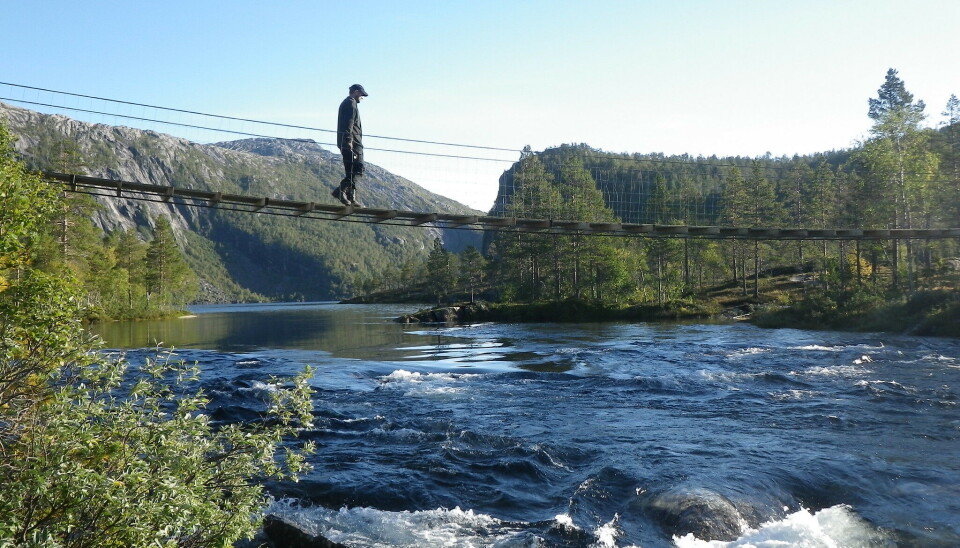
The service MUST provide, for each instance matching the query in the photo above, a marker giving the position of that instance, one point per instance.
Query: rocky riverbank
(563, 311)
(278, 533)
(931, 313)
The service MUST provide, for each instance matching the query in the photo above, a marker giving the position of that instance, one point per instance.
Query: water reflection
(346, 330)
(364, 332)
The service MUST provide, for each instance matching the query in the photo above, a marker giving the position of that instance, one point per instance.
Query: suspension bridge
(629, 193)
(313, 210)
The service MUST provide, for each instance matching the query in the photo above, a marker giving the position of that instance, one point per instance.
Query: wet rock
(705, 513)
(284, 535)
(447, 315)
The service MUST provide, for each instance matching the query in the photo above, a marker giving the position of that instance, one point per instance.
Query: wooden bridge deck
(202, 198)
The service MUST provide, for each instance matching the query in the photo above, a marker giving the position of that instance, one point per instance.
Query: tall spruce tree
(763, 209)
(949, 194)
(168, 278)
(131, 270)
(472, 268)
(441, 271)
(527, 257)
(899, 164)
(735, 213)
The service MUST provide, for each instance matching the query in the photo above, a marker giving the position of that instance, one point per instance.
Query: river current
(593, 435)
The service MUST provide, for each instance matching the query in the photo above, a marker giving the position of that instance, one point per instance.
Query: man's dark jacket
(349, 133)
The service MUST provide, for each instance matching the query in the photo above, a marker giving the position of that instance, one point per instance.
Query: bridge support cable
(313, 210)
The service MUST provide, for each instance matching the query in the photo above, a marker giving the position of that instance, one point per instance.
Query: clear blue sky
(701, 77)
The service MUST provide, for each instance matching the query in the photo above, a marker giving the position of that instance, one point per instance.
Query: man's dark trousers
(353, 170)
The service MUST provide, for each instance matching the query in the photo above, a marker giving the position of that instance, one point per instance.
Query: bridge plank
(455, 221)
(385, 215)
(423, 218)
(572, 226)
(605, 227)
(497, 222)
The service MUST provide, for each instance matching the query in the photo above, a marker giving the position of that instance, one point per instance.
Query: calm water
(603, 435)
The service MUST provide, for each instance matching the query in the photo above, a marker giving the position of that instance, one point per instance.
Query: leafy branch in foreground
(125, 456)
(96, 452)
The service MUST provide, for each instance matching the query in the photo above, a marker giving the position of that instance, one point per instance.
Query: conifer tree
(441, 273)
(581, 261)
(949, 195)
(526, 257)
(131, 269)
(763, 209)
(898, 163)
(735, 210)
(472, 269)
(168, 278)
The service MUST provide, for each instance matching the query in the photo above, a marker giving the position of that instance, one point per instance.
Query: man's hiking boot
(339, 195)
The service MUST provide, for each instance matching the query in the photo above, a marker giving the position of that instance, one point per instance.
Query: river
(593, 435)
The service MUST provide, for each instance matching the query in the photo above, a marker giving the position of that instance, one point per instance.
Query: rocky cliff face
(319, 259)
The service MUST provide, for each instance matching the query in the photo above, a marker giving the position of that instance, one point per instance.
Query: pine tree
(735, 200)
(656, 204)
(763, 209)
(168, 278)
(949, 195)
(527, 257)
(441, 274)
(72, 240)
(581, 261)
(898, 162)
(472, 268)
(131, 270)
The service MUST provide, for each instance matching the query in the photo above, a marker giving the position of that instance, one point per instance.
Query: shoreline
(932, 313)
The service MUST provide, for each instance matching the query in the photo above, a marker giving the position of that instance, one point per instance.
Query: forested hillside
(234, 256)
(905, 176)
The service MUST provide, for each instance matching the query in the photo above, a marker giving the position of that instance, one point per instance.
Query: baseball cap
(358, 87)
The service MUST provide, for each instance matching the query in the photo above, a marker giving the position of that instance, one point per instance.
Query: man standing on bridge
(349, 141)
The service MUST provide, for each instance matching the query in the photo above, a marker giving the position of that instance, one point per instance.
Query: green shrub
(95, 453)
(99, 453)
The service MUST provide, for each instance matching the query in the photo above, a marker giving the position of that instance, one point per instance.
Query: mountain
(235, 253)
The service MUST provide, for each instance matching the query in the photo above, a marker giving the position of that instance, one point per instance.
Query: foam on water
(833, 527)
(372, 528)
(794, 395)
(565, 521)
(412, 377)
(818, 347)
(607, 534)
(751, 351)
(834, 371)
(429, 384)
(260, 387)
